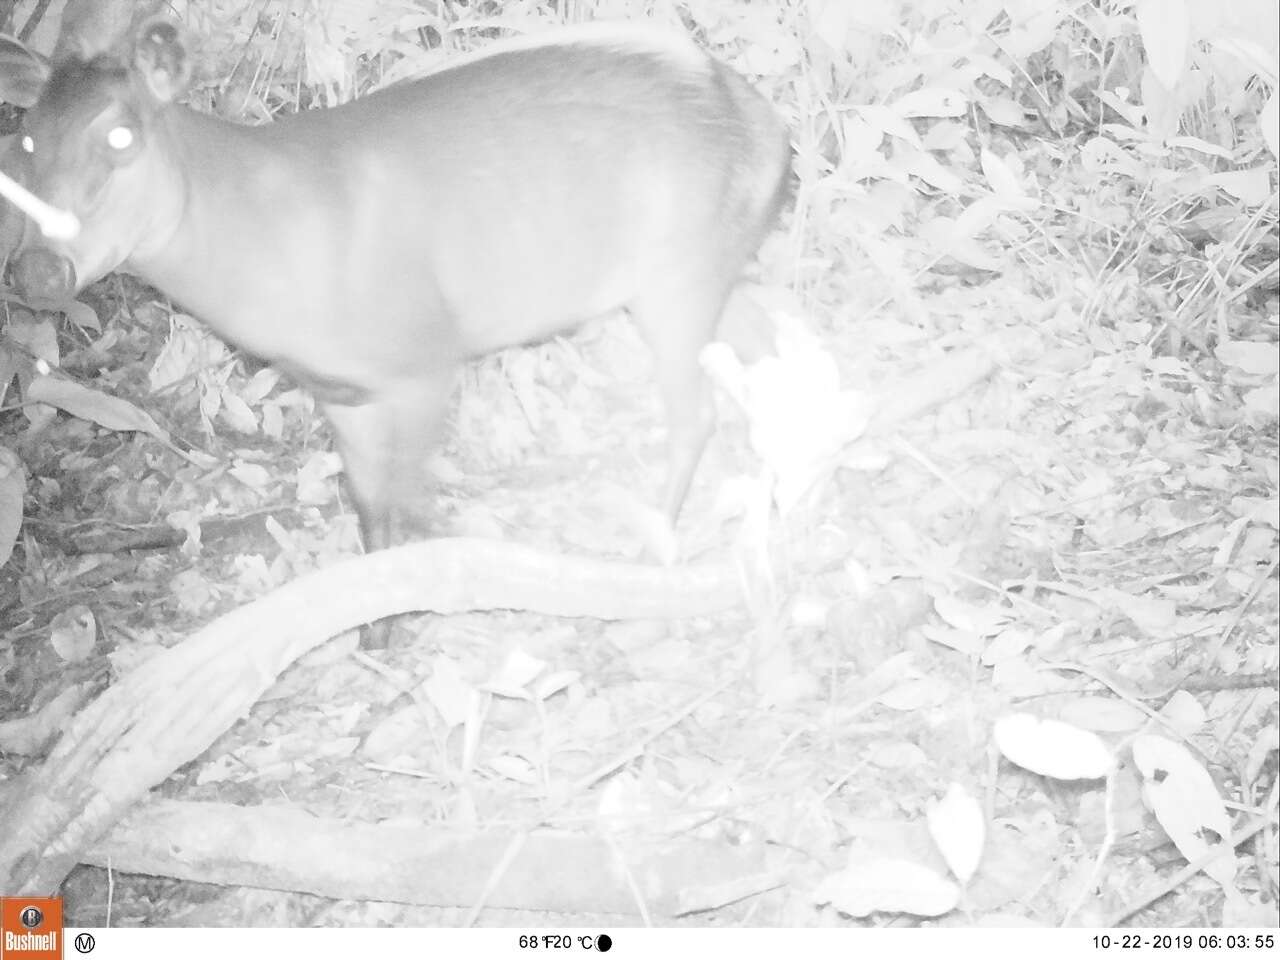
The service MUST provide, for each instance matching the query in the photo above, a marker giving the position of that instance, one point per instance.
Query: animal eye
(28, 145)
(119, 138)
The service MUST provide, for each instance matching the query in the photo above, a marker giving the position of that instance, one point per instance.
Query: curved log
(174, 706)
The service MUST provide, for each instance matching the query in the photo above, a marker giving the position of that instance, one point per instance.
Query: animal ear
(22, 73)
(162, 59)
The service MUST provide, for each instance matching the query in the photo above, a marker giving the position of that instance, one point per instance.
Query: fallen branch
(173, 707)
(280, 847)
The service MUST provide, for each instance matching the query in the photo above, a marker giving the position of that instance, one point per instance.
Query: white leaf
(553, 683)
(517, 671)
(13, 486)
(1002, 180)
(73, 633)
(959, 831)
(1165, 26)
(1257, 358)
(449, 692)
(888, 885)
(1185, 800)
(1052, 748)
(106, 411)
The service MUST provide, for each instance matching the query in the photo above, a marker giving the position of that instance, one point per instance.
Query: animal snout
(44, 274)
